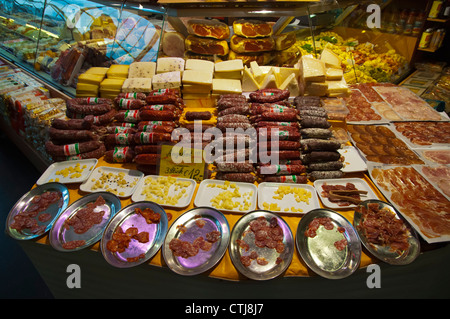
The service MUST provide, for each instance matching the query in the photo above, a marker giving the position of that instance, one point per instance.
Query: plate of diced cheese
(226, 196)
(67, 172)
(166, 191)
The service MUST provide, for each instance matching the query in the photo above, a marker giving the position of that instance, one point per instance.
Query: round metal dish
(60, 234)
(277, 262)
(319, 252)
(185, 228)
(25, 201)
(385, 253)
(126, 218)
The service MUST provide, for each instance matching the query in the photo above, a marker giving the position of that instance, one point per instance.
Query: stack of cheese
(197, 79)
(140, 76)
(258, 77)
(168, 73)
(252, 41)
(111, 86)
(207, 39)
(227, 77)
(88, 84)
(322, 77)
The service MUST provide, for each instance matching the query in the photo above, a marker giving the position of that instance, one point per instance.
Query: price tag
(182, 162)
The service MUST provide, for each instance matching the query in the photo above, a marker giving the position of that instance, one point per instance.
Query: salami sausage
(141, 124)
(120, 154)
(269, 95)
(275, 108)
(132, 95)
(326, 166)
(119, 139)
(316, 132)
(129, 116)
(89, 106)
(231, 97)
(71, 124)
(70, 136)
(241, 109)
(96, 153)
(282, 145)
(147, 149)
(161, 107)
(279, 117)
(152, 137)
(152, 115)
(120, 129)
(156, 128)
(235, 167)
(227, 103)
(192, 116)
(320, 156)
(285, 154)
(320, 112)
(314, 121)
(128, 104)
(301, 101)
(224, 126)
(162, 99)
(281, 169)
(71, 149)
(158, 92)
(315, 175)
(296, 179)
(101, 119)
(280, 124)
(315, 144)
(233, 118)
(283, 135)
(236, 177)
(147, 159)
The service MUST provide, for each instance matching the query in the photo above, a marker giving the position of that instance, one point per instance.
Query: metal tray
(384, 253)
(241, 231)
(320, 254)
(59, 234)
(127, 217)
(185, 228)
(55, 209)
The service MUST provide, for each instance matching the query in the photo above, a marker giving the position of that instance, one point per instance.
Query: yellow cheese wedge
(270, 81)
(199, 65)
(285, 72)
(312, 70)
(197, 77)
(291, 84)
(249, 84)
(330, 58)
(226, 86)
(316, 88)
(256, 71)
(111, 84)
(229, 66)
(335, 87)
(333, 74)
(90, 78)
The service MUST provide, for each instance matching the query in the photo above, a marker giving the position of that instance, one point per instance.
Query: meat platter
(438, 176)
(328, 244)
(67, 172)
(226, 196)
(83, 222)
(419, 202)
(134, 234)
(261, 245)
(435, 155)
(35, 212)
(355, 188)
(287, 197)
(166, 191)
(196, 241)
(400, 250)
(423, 135)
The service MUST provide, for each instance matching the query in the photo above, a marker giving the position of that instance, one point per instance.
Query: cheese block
(337, 87)
(226, 86)
(330, 58)
(249, 84)
(229, 66)
(166, 80)
(137, 85)
(284, 72)
(312, 69)
(142, 70)
(111, 84)
(291, 84)
(97, 70)
(169, 64)
(252, 28)
(316, 88)
(196, 88)
(258, 74)
(118, 71)
(333, 74)
(87, 88)
(197, 77)
(228, 75)
(269, 81)
(199, 65)
(87, 78)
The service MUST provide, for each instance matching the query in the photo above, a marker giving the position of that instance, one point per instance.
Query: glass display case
(59, 39)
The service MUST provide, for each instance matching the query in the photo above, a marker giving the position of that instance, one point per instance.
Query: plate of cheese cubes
(67, 172)
(166, 191)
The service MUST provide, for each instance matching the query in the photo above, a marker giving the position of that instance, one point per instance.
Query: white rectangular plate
(107, 179)
(359, 183)
(353, 162)
(287, 202)
(171, 191)
(210, 190)
(54, 173)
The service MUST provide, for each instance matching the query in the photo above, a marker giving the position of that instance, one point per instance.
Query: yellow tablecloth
(225, 268)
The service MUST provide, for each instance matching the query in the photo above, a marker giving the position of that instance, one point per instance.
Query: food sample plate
(385, 252)
(65, 237)
(30, 204)
(68, 172)
(256, 255)
(138, 251)
(165, 191)
(353, 162)
(359, 183)
(202, 227)
(119, 181)
(226, 196)
(328, 244)
(287, 197)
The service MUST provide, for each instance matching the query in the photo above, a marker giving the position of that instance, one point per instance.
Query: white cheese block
(229, 66)
(166, 80)
(269, 81)
(285, 72)
(142, 70)
(197, 77)
(169, 64)
(337, 86)
(316, 88)
(199, 65)
(249, 84)
(226, 86)
(291, 84)
(312, 70)
(330, 58)
(137, 85)
(333, 74)
(228, 75)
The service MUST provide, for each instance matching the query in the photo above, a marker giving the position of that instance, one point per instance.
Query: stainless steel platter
(127, 217)
(386, 253)
(26, 201)
(277, 262)
(195, 223)
(60, 234)
(320, 253)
